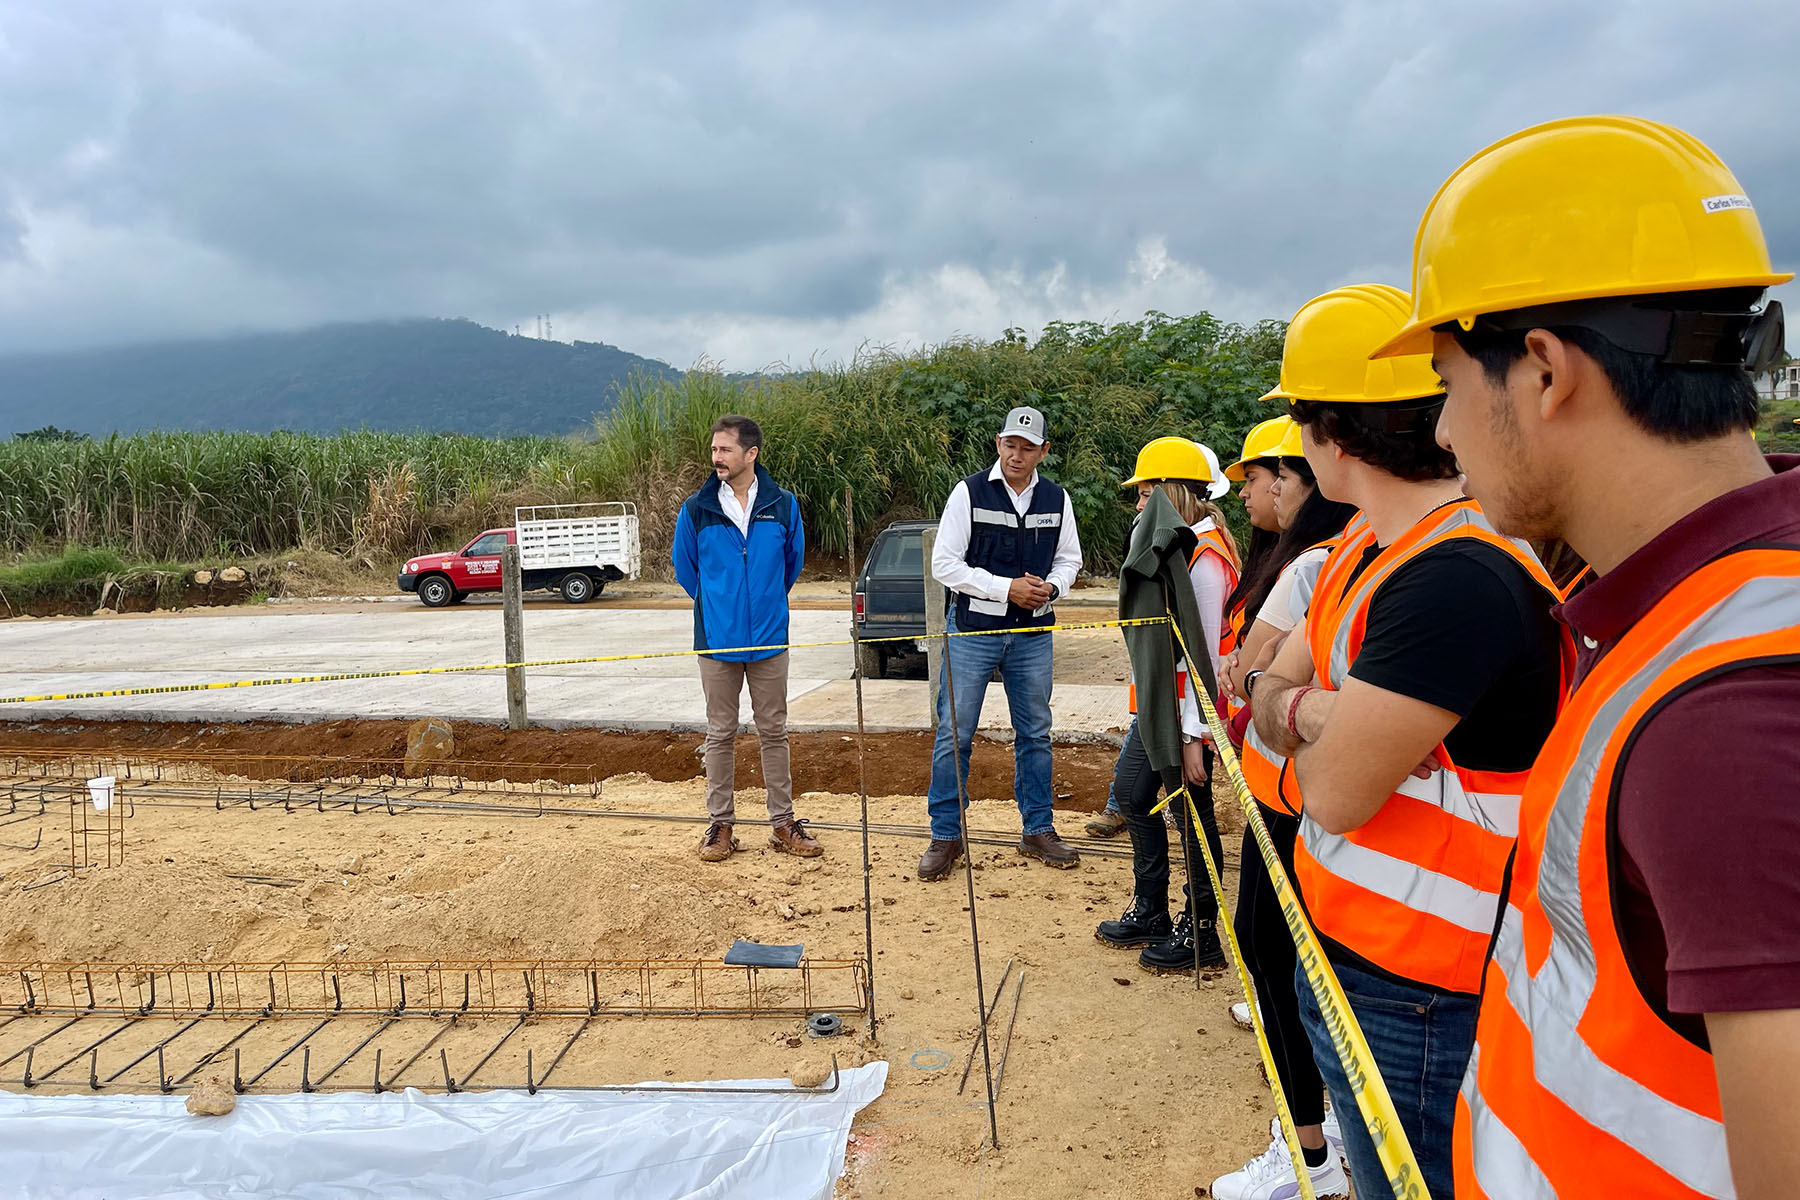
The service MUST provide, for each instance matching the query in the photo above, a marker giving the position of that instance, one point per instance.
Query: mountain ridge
(447, 375)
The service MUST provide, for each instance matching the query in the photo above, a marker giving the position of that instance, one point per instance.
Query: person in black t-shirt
(1424, 684)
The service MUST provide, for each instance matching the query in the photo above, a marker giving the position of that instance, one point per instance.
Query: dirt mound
(411, 891)
(898, 764)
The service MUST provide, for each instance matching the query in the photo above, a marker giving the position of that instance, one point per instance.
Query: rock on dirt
(213, 1095)
(810, 1071)
(203, 577)
(428, 740)
(233, 575)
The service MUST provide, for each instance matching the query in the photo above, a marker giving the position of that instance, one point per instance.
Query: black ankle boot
(1175, 953)
(1142, 924)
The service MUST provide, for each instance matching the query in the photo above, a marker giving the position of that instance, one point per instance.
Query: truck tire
(577, 588)
(435, 591)
(871, 662)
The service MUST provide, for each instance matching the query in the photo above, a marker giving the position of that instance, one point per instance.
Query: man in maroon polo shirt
(1640, 1023)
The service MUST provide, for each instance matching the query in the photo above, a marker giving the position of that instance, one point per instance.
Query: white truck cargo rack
(557, 537)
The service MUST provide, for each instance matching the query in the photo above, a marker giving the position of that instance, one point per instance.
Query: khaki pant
(723, 683)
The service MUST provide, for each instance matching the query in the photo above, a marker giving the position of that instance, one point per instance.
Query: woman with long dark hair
(1276, 593)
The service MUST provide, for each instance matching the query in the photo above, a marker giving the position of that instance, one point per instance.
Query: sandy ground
(1118, 1083)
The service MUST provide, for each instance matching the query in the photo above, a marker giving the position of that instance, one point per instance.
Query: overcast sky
(763, 182)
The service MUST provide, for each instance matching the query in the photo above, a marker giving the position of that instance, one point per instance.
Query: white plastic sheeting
(352, 1146)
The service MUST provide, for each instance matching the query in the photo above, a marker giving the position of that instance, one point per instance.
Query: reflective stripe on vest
(1415, 890)
(1213, 542)
(1268, 774)
(1578, 1085)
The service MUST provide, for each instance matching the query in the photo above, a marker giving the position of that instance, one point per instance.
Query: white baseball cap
(1027, 423)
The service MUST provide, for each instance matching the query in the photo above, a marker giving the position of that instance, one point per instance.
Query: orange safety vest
(1211, 542)
(1577, 1085)
(1270, 775)
(1416, 890)
(1231, 640)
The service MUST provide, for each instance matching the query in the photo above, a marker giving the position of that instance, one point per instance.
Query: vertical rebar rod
(962, 800)
(862, 766)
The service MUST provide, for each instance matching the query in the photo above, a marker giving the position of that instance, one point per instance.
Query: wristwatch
(1250, 683)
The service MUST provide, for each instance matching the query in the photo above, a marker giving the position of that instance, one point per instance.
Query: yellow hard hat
(1291, 446)
(1329, 342)
(1170, 458)
(1263, 441)
(1580, 209)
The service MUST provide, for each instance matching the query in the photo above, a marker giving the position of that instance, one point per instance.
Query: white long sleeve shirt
(949, 559)
(1211, 587)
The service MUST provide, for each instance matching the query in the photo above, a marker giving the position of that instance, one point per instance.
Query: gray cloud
(770, 181)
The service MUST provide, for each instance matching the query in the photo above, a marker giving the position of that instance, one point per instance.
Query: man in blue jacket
(738, 549)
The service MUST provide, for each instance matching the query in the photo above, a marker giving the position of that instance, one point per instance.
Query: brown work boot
(1050, 849)
(792, 838)
(716, 844)
(938, 858)
(1107, 823)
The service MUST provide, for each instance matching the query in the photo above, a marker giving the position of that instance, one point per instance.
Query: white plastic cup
(100, 789)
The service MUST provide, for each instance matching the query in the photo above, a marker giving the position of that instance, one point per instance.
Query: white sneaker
(1270, 1176)
(1240, 1016)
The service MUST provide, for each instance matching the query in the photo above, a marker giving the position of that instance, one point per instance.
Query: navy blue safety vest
(1008, 545)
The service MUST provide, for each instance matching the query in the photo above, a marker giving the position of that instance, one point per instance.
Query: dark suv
(890, 597)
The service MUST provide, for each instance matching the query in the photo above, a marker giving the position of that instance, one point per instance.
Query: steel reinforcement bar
(653, 987)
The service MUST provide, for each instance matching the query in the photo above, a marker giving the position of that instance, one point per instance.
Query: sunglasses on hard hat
(1680, 337)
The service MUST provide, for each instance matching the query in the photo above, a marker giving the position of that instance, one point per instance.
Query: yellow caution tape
(1282, 1112)
(1372, 1099)
(341, 676)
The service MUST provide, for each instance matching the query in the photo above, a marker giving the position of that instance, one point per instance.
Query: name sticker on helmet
(1715, 204)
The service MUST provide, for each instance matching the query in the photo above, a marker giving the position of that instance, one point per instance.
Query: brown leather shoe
(716, 844)
(792, 838)
(939, 858)
(1050, 849)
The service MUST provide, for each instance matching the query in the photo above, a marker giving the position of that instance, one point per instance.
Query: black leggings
(1137, 787)
(1268, 951)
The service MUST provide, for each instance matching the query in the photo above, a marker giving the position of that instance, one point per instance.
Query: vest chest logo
(1043, 520)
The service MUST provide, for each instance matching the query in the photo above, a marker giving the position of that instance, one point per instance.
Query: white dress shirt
(949, 560)
(739, 513)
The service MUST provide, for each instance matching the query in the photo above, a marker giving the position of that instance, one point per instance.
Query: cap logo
(1714, 204)
(1025, 419)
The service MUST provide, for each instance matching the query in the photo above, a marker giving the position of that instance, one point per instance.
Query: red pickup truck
(576, 549)
(441, 579)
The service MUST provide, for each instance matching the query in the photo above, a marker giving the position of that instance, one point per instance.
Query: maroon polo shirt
(1708, 892)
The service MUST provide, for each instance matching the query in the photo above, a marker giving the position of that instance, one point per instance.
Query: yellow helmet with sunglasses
(1595, 209)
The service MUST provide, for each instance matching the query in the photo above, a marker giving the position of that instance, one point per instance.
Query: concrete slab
(75, 655)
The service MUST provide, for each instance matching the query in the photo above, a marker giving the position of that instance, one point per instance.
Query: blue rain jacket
(739, 584)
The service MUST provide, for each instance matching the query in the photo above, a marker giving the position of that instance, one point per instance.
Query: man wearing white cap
(1006, 549)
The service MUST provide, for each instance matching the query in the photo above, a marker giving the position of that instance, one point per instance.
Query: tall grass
(900, 429)
(188, 496)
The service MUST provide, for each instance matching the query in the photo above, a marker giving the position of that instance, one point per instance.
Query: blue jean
(1024, 660)
(1421, 1041)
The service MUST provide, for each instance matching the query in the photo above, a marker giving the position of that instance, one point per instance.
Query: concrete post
(934, 625)
(513, 617)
